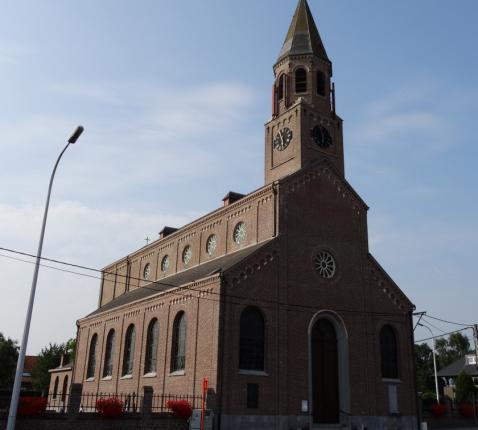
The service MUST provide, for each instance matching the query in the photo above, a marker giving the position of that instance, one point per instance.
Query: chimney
(166, 231)
(62, 359)
(232, 197)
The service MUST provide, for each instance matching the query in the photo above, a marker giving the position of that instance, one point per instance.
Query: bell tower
(304, 126)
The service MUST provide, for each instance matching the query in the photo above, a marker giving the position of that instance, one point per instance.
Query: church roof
(303, 36)
(218, 265)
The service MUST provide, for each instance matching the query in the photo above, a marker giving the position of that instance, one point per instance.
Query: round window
(187, 254)
(240, 232)
(325, 264)
(147, 271)
(165, 263)
(211, 244)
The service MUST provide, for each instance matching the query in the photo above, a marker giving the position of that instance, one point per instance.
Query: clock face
(282, 139)
(321, 137)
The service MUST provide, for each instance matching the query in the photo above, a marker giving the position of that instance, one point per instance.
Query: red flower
(466, 410)
(438, 409)
(110, 407)
(30, 406)
(180, 408)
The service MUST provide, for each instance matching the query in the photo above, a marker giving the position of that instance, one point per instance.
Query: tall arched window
(110, 346)
(251, 339)
(65, 389)
(55, 387)
(178, 349)
(301, 80)
(151, 346)
(388, 352)
(128, 353)
(320, 83)
(90, 371)
(280, 87)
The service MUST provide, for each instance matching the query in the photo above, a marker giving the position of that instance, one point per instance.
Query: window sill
(89, 379)
(178, 373)
(127, 377)
(107, 378)
(253, 372)
(150, 375)
(391, 380)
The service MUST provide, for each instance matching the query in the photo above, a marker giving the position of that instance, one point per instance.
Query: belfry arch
(329, 383)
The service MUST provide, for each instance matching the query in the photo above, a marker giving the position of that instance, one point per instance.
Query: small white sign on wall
(305, 406)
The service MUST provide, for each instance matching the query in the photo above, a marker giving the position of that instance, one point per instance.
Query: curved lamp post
(21, 356)
(434, 360)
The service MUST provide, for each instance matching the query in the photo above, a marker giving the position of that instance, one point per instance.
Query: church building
(274, 297)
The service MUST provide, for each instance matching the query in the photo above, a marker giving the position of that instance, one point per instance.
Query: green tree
(464, 388)
(424, 368)
(49, 358)
(451, 349)
(8, 361)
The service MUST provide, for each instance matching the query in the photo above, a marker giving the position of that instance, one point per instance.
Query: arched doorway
(329, 391)
(325, 373)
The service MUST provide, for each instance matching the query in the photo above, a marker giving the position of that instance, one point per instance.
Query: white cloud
(75, 233)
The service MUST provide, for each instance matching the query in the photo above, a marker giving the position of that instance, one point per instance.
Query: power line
(434, 326)
(444, 334)
(449, 322)
(296, 307)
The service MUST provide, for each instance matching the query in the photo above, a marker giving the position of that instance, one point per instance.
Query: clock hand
(281, 137)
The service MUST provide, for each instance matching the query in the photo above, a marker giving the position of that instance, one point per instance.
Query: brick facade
(306, 210)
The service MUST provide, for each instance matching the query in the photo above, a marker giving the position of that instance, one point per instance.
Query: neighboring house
(467, 364)
(274, 297)
(30, 363)
(60, 381)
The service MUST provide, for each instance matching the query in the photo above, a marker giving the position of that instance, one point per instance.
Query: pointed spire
(303, 36)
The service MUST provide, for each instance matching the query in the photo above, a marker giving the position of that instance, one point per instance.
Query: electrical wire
(444, 334)
(273, 303)
(449, 322)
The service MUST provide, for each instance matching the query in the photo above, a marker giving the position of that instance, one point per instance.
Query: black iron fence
(160, 401)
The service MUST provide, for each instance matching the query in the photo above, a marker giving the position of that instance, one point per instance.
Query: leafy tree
(8, 361)
(424, 368)
(451, 349)
(464, 388)
(49, 358)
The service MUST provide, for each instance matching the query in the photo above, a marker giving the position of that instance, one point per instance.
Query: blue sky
(174, 95)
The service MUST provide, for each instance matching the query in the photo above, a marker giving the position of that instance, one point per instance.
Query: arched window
(110, 346)
(90, 371)
(55, 387)
(65, 389)
(128, 353)
(280, 88)
(151, 346)
(320, 83)
(301, 80)
(178, 349)
(388, 352)
(251, 339)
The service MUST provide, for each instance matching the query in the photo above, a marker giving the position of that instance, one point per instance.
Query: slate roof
(303, 36)
(219, 265)
(455, 368)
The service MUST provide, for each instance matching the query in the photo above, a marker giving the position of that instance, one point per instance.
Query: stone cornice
(386, 284)
(201, 224)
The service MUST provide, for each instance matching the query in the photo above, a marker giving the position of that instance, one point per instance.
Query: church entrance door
(325, 373)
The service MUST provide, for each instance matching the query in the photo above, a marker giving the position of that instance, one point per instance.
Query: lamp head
(74, 137)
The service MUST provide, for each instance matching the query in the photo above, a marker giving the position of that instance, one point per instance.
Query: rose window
(325, 264)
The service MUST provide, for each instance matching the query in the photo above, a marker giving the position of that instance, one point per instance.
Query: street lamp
(434, 360)
(26, 330)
